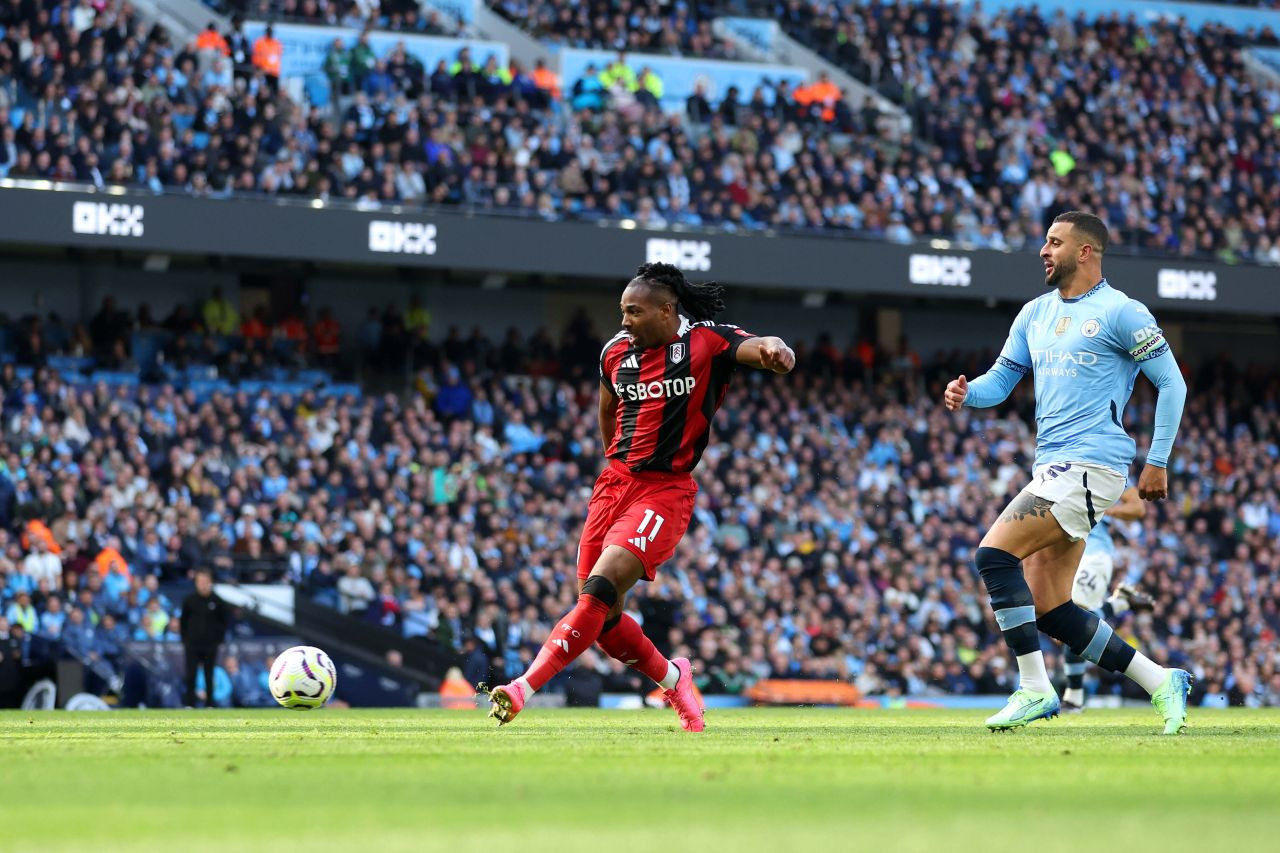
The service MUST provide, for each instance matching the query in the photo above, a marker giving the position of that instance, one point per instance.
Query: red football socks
(572, 636)
(626, 642)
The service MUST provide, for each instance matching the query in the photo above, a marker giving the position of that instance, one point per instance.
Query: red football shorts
(646, 513)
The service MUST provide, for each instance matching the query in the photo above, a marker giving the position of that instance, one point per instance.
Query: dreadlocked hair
(698, 301)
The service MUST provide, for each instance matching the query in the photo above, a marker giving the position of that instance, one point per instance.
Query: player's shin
(623, 639)
(574, 633)
(1015, 611)
(1094, 640)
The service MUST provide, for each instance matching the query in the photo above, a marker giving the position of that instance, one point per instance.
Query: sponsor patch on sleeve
(1144, 333)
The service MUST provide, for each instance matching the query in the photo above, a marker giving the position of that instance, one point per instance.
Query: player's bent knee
(602, 588)
(999, 570)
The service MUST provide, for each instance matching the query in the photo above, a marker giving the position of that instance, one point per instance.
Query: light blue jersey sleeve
(993, 387)
(1135, 330)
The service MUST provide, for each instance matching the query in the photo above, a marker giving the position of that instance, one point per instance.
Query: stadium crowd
(680, 29)
(832, 539)
(1157, 124)
(1010, 137)
(396, 15)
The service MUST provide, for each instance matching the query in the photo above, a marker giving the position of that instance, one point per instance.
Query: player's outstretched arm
(1171, 396)
(994, 387)
(990, 389)
(768, 353)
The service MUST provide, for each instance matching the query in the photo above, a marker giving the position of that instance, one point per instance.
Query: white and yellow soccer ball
(302, 678)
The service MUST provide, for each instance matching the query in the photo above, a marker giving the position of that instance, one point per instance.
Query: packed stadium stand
(407, 16)
(832, 538)
(839, 509)
(1180, 155)
(683, 29)
(1154, 123)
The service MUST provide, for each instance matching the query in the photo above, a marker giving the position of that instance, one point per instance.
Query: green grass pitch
(602, 781)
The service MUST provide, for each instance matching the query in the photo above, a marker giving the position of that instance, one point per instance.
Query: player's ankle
(668, 682)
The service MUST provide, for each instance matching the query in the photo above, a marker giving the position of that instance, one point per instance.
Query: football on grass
(302, 678)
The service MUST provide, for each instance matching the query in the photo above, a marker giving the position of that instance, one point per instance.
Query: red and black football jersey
(668, 395)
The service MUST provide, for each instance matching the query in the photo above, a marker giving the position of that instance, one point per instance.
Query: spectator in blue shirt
(78, 636)
(454, 397)
(112, 635)
(152, 555)
(108, 642)
(19, 582)
(53, 618)
(521, 437)
(379, 84)
(151, 589)
(588, 92)
(107, 591)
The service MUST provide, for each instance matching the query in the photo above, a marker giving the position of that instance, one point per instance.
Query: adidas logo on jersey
(631, 362)
(640, 542)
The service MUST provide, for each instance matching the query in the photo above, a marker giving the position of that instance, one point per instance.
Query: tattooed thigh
(1026, 505)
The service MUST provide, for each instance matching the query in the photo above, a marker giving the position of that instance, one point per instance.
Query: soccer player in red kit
(662, 379)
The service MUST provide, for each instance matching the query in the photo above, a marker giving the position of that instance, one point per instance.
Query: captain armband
(1152, 347)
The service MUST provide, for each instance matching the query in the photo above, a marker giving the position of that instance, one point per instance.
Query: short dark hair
(1093, 228)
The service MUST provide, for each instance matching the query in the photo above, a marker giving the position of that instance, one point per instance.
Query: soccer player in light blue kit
(1086, 342)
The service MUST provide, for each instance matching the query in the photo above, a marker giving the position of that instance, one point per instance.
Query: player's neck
(669, 335)
(1079, 284)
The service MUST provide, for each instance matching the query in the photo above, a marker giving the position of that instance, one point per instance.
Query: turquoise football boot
(1025, 706)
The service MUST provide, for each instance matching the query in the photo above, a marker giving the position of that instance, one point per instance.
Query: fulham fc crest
(675, 353)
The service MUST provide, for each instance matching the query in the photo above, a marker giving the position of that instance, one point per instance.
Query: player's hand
(954, 396)
(1153, 484)
(777, 356)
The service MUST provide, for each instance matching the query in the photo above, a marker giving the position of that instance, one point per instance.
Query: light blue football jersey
(1084, 354)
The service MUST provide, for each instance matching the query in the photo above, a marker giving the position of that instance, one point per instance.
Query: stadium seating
(1036, 113)
(397, 15)
(832, 538)
(989, 163)
(643, 26)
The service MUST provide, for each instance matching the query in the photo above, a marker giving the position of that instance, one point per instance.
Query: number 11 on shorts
(650, 515)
